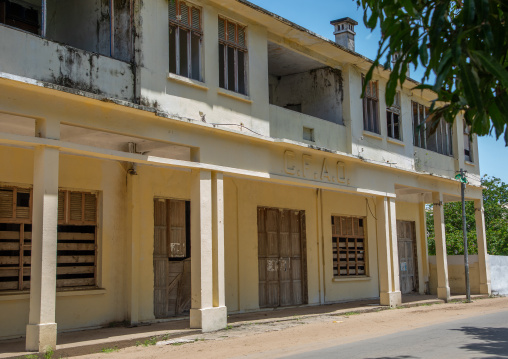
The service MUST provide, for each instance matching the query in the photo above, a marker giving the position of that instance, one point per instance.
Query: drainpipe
(320, 239)
(44, 12)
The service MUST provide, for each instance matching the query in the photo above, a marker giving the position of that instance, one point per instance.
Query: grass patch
(228, 327)
(149, 342)
(110, 350)
(348, 314)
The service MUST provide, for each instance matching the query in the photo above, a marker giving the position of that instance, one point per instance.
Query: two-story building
(196, 158)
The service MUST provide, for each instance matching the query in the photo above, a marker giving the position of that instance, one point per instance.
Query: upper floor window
(232, 56)
(428, 135)
(393, 119)
(185, 38)
(468, 143)
(23, 15)
(371, 107)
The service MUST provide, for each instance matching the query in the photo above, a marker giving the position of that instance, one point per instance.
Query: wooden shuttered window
(233, 56)
(77, 239)
(371, 107)
(76, 247)
(185, 40)
(15, 238)
(349, 246)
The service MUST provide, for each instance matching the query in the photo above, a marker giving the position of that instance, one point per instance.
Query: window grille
(349, 246)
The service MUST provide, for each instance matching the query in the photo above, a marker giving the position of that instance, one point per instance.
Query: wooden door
(172, 262)
(281, 257)
(408, 268)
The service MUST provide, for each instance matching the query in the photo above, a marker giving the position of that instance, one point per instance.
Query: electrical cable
(370, 210)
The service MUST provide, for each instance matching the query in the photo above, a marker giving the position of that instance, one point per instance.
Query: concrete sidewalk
(121, 336)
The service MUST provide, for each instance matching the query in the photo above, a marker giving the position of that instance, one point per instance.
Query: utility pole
(463, 181)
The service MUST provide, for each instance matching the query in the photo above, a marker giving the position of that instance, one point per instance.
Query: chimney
(345, 32)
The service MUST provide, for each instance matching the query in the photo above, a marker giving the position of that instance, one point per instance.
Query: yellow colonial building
(171, 158)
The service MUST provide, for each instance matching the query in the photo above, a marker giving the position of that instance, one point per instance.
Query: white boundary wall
(499, 274)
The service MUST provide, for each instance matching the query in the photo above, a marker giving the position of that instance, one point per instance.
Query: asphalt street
(476, 337)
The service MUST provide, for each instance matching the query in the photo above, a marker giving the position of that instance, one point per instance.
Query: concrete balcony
(30, 56)
(288, 124)
(434, 162)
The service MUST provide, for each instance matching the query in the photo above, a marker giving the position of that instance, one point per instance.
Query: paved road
(477, 337)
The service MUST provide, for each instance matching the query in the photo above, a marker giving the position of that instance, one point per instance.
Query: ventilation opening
(308, 134)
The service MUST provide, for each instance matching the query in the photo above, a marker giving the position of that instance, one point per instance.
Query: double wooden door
(281, 257)
(171, 258)
(408, 264)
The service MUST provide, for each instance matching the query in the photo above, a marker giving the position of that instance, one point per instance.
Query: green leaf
(470, 85)
(491, 66)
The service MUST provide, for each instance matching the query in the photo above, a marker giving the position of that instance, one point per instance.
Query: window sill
(352, 279)
(234, 95)
(187, 81)
(13, 296)
(469, 163)
(377, 136)
(395, 141)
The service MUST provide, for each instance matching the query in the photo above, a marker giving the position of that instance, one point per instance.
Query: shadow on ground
(494, 340)
(397, 357)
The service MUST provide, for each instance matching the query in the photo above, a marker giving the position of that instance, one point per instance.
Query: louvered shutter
(184, 12)
(90, 214)
(75, 204)
(6, 203)
(196, 18)
(172, 10)
(61, 206)
(241, 37)
(231, 32)
(222, 29)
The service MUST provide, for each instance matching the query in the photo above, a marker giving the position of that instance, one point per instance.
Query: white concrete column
(389, 283)
(203, 314)
(134, 195)
(219, 289)
(483, 257)
(443, 288)
(41, 330)
(424, 250)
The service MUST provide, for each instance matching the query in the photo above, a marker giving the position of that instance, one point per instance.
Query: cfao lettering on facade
(309, 167)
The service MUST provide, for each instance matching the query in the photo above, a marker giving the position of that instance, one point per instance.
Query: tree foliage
(495, 203)
(463, 46)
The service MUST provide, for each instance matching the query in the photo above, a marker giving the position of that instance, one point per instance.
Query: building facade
(197, 158)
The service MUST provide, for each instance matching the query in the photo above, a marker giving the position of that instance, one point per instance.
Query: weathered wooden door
(171, 258)
(281, 257)
(408, 268)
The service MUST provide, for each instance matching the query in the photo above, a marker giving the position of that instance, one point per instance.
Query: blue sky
(316, 16)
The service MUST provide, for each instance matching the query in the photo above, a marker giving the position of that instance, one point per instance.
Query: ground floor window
(349, 247)
(77, 239)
